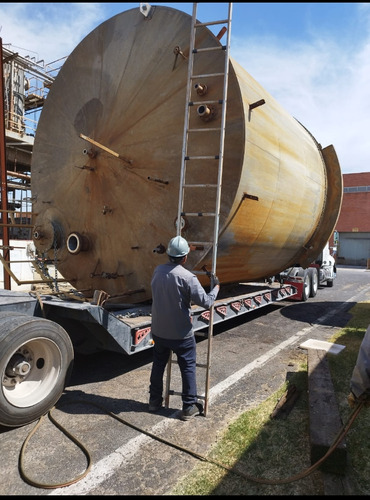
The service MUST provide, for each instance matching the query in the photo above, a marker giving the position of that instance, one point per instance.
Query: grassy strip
(276, 449)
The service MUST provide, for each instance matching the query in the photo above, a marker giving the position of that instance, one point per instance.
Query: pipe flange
(47, 236)
(77, 243)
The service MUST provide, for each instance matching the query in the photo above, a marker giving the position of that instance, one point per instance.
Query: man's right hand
(216, 281)
(353, 400)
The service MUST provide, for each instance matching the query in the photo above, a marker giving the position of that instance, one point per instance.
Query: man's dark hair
(176, 260)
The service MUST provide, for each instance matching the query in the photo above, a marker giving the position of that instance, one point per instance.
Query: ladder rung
(217, 101)
(216, 157)
(206, 75)
(174, 393)
(198, 214)
(171, 392)
(199, 365)
(204, 129)
(209, 49)
(200, 185)
(211, 23)
(201, 334)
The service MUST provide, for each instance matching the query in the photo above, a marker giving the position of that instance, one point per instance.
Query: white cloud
(323, 80)
(47, 31)
(325, 84)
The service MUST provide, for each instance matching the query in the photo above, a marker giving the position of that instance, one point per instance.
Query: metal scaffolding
(25, 84)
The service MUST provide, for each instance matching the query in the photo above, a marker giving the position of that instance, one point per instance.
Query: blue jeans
(185, 351)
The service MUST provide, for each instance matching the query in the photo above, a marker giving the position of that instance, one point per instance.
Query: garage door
(353, 249)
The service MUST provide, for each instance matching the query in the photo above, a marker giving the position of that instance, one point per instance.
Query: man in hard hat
(174, 288)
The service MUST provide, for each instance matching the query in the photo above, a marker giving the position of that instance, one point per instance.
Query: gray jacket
(174, 289)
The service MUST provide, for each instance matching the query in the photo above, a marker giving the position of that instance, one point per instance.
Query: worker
(174, 288)
(360, 380)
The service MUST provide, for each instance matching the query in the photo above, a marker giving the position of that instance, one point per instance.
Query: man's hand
(353, 400)
(216, 281)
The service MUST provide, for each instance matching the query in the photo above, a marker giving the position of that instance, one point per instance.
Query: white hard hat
(178, 247)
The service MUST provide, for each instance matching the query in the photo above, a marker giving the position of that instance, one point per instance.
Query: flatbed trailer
(40, 333)
(127, 328)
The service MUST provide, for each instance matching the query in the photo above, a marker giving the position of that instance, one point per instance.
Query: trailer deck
(127, 327)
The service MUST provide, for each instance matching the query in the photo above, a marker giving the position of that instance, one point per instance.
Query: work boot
(155, 404)
(191, 411)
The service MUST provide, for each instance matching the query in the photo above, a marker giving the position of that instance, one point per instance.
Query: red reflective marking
(141, 334)
(248, 302)
(221, 310)
(236, 306)
(205, 315)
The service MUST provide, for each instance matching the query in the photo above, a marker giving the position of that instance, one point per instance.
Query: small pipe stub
(77, 243)
(90, 152)
(159, 249)
(206, 113)
(201, 89)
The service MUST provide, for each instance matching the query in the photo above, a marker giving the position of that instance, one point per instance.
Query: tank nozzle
(77, 243)
(201, 89)
(159, 249)
(206, 113)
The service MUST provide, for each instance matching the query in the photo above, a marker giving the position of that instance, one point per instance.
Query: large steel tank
(107, 160)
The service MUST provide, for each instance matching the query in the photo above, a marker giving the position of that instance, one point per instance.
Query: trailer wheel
(314, 277)
(306, 292)
(36, 360)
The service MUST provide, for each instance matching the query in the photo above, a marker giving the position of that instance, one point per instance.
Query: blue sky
(314, 58)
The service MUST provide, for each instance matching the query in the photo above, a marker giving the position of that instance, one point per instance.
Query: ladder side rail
(222, 141)
(182, 173)
(217, 210)
(186, 121)
(209, 351)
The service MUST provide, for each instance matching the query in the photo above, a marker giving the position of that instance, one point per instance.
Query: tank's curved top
(107, 159)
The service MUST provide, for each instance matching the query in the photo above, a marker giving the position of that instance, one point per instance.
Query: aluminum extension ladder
(189, 135)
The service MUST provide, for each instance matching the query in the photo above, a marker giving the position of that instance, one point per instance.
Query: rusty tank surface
(107, 160)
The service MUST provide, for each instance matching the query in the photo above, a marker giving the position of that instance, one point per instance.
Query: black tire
(314, 277)
(36, 360)
(329, 283)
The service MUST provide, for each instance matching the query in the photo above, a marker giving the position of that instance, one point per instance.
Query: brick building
(353, 225)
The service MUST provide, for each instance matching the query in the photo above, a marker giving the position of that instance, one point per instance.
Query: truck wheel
(305, 274)
(36, 360)
(329, 283)
(314, 277)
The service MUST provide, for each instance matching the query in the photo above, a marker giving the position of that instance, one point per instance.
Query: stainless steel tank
(107, 159)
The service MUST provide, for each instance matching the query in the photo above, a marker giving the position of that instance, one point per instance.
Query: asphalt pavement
(251, 358)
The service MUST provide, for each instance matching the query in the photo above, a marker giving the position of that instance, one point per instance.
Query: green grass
(273, 455)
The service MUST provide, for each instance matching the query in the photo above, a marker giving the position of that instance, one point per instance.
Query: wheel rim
(32, 372)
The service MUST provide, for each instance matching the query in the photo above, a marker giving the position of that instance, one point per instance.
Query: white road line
(107, 466)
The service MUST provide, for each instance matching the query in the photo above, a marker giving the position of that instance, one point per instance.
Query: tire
(306, 285)
(329, 283)
(314, 278)
(36, 361)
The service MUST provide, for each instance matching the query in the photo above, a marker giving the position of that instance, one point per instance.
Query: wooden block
(325, 421)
